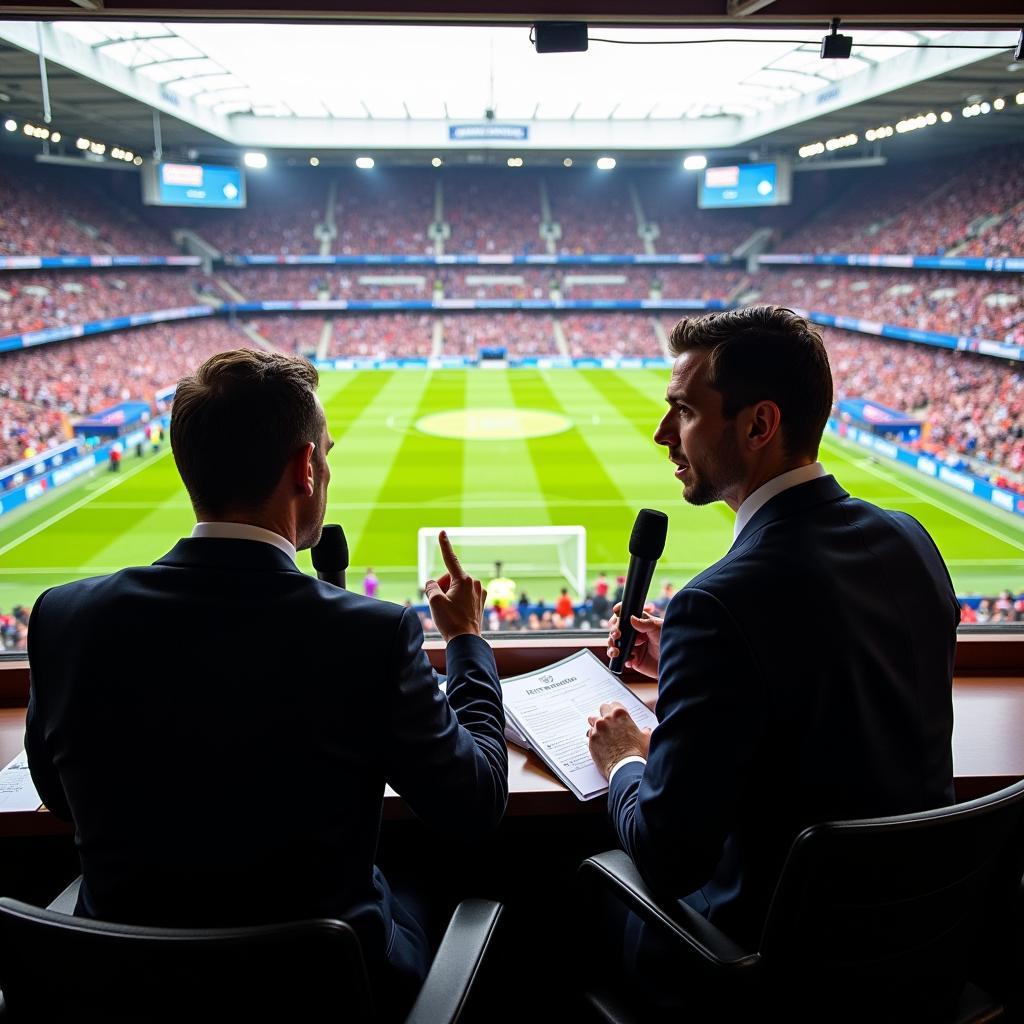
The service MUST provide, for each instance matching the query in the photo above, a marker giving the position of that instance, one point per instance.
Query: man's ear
(764, 424)
(302, 469)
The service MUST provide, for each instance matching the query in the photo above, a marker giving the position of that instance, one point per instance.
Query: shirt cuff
(625, 760)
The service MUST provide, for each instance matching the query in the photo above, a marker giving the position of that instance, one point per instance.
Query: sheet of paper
(512, 734)
(17, 792)
(551, 707)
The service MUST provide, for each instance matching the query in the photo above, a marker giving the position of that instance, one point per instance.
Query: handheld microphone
(330, 556)
(646, 544)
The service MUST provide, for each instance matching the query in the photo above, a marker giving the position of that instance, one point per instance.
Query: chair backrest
(56, 967)
(894, 904)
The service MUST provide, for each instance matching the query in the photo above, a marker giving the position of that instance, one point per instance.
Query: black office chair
(871, 920)
(55, 967)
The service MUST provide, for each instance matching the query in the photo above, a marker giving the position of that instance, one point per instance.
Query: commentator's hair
(237, 421)
(765, 353)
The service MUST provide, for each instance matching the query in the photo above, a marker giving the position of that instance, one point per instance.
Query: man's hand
(643, 658)
(613, 735)
(456, 599)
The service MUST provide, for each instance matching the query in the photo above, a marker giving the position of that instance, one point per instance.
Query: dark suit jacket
(806, 676)
(220, 726)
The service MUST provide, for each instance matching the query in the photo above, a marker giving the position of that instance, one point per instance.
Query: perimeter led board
(745, 185)
(193, 185)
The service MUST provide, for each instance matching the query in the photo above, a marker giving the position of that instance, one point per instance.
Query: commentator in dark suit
(220, 726)
(807, 675)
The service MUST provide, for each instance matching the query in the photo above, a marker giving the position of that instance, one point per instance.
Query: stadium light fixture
(515, 161)
(812, 149)
(82, 144)
(946, 117)
(137, 161)
(567, 162)
(55, 137)
(695, 162)
(11, 125)
(314, 161)
(257, 161)
(436, 162)
(29, 129)
(998, 104)
(364, 163)
(986, 108)
(606, 163)
(1020, 98)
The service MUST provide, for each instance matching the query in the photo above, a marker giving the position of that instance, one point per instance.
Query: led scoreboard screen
(193, 185)
(744, 185)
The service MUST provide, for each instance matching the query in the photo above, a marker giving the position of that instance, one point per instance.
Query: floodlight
(137, 161)
(946, 117)
(695, 162)
(11, 125)
(364, 163)
(436, 162)
(567, 162)
(29, 129)
(515, 161)
(257, 161)
(55, 137)
(314, 161)
(606, 163)
(999, 103)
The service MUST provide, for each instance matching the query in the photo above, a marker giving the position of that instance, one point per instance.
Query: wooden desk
(988, 754)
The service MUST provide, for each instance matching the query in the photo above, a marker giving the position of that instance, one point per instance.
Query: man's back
(804, 677)
(225, 759)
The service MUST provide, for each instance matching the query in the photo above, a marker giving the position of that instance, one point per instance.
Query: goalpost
(525, 552)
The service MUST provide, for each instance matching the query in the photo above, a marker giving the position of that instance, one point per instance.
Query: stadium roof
(445, 72)
(394, 89)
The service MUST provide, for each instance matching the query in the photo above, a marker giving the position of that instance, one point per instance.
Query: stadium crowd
(382, 336)
(493, 212)
(962, 304)
(83, 376)
(30, 301)
(522, 334)
(27, 430)
(290, 333)
(610, 335)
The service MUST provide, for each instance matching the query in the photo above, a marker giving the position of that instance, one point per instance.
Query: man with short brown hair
(227, 764)
(770, 721)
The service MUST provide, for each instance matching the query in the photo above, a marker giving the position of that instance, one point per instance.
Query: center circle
(493, 424)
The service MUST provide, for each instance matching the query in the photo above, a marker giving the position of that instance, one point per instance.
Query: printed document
(550, 709)
(17, 791)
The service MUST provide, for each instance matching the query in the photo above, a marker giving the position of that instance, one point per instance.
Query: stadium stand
(300, 334)
(576, 198)
(31, 301)
(382, 336)
(492, 211)
(522, 334)
(27, 430)
(971, 406)
(78, 377)
(46, 210)
(384, 211)
(923, 208)
(610, 335)
(967, 304)
(486, 283)
(262, 284)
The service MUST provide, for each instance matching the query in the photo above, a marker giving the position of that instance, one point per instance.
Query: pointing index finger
(451, 560)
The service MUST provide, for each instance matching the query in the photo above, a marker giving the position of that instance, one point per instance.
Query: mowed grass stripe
(497, 471)
(368, 437)
(567, 467)
(425, 469)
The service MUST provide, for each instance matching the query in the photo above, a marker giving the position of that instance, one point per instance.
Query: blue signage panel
(488, 132)
(765, 184)
(194, 185)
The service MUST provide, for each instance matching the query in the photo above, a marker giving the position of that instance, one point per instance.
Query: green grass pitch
(389, 478)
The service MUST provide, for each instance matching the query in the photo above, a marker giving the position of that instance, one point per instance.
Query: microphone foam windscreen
(331, 552)
(649, 532)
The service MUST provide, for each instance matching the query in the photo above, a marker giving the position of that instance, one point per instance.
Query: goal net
(526, 553)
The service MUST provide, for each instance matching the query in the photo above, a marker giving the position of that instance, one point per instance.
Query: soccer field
(592, 462)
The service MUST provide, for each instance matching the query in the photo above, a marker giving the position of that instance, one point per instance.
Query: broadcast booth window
(493, 257)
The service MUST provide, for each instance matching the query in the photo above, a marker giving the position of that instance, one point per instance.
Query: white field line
(119, 478)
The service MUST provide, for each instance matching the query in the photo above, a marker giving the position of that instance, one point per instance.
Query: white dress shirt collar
(243, 531)
(754, 502)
